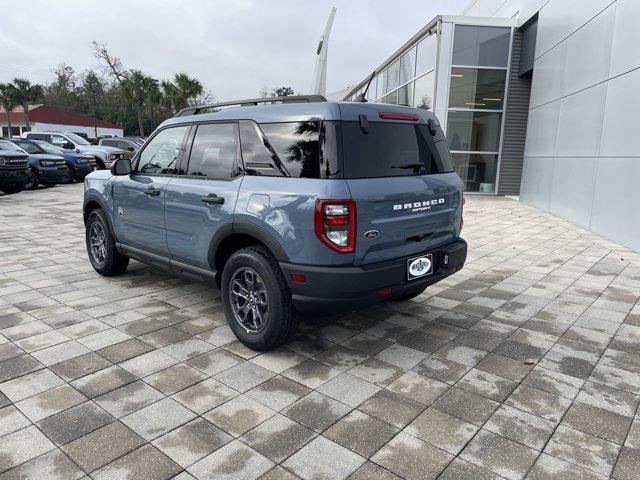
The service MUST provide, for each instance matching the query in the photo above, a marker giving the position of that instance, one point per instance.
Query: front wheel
(101, 246)
(257, 301)
(32, 180)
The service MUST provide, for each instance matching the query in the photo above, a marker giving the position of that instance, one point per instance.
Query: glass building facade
(460, 71)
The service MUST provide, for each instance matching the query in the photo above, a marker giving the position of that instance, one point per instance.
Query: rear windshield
(393, 150)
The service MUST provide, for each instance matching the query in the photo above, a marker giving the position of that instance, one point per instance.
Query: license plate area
(420, 266)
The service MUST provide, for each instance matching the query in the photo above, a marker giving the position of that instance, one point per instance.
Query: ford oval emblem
(371, 234)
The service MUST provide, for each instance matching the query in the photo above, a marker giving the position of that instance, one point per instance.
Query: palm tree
(8, 101)
(170, 94)
(25, 94)
(187, 88)
(137, 88)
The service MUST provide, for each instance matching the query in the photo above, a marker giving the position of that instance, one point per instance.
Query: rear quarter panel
(284, 208)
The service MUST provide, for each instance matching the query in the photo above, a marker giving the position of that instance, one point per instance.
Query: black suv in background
(13, 170)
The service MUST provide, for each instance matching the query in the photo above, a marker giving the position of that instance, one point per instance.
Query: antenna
(319, 81)
(362, 98)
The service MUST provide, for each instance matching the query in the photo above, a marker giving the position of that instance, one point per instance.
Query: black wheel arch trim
(245, 228)
(92, 197)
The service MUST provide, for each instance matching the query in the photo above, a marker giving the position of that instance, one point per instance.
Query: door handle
(212, 199)
(152, 192)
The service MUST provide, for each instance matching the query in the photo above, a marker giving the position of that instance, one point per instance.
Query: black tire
(279, 321)
(32, 180)
(12, 188)
(99, 164)
(109, 262)
(48, 184)
(410, 295)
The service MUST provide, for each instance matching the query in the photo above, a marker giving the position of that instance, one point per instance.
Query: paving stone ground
(526, 364)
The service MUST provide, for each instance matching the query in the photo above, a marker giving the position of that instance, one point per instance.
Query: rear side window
(214, 151)
(393, 150)
(297, 145)
(108, 143)
(307, 149)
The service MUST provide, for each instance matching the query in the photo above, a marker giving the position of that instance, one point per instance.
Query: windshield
(47, 147)
(12, 147)
(393, 150)
(77, 139)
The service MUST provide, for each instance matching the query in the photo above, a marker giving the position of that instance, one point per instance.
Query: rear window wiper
(416, 167)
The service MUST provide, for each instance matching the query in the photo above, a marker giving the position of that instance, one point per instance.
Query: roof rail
(197, 109)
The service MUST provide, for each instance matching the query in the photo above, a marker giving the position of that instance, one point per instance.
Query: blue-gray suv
(292, 205)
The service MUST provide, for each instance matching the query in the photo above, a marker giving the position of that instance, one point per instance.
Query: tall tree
(138, 89)
(187, 89)
(25, 94)
(8, 101)
(92, 89)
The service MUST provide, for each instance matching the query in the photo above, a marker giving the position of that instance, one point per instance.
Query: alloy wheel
(98, 243)
(249, 299)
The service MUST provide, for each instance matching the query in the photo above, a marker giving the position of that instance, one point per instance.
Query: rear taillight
(335, 224)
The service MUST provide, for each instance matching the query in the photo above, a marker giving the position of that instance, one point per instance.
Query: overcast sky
(235, 47)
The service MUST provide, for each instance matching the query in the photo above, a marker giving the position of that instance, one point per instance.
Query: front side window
(108, 143)
(213, 154)
(160, 156)
(59, 140)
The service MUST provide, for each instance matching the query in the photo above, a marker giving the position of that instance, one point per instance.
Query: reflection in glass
(477, 88)
(371, 93)
(473, 131)
(160, 155)
(393, 76)
(477, 171)
(405, 94)
(481, 46)
(391, 98)
(424, 90)
(407, 66)
(427, 50)
(382, 84)
(297, 146)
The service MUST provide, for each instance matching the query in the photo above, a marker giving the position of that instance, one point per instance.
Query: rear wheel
(12, 188)
(257, 300)
(101, 246)
(410, 295)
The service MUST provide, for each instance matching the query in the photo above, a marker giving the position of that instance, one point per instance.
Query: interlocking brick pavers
(525, 364)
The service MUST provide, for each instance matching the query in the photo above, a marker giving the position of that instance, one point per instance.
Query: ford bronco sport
(294, 205)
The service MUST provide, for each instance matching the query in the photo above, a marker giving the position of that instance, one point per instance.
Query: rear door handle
(152, 192)
(213, 199)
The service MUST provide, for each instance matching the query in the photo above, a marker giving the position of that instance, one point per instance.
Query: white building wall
(37, 126)
(582, 155)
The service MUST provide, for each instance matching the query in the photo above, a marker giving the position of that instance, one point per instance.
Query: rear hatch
(401, 177)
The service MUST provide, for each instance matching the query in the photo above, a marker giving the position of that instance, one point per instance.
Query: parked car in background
(74, 143)
(44, 168)
(80, 165)
(318, 207)
(126, 144)
(14, 166)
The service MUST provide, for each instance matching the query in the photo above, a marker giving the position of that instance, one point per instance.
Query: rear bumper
(330, 290)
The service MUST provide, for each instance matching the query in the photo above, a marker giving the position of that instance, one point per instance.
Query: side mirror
(121, 166)
(68, 146)
(131, 149)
